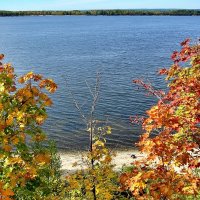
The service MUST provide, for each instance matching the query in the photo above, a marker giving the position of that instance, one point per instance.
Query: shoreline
(84, 15)
(122, 158)
(103, 12)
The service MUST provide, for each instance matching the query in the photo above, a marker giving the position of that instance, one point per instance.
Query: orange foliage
(21, 112)
(168, 170)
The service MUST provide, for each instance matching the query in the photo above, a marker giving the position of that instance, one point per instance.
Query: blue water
(75, 48)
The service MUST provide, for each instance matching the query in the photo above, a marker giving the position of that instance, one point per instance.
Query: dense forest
(104, 12)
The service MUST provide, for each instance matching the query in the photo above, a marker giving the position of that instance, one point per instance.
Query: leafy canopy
(24, 160)
(172, 156)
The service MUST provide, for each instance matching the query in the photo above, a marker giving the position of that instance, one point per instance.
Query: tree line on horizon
(173, 12)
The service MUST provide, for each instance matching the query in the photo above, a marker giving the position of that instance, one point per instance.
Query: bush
(28, 168)
(168, 171)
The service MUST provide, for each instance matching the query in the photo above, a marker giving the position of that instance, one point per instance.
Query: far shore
(104, 12)
(120, 159)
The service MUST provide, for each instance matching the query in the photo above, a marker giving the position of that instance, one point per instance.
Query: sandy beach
(122, 158)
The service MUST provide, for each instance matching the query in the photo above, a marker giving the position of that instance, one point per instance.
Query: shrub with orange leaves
(24, 159)
(172, 156)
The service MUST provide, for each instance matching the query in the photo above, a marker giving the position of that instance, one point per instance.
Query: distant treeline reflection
(103, 12)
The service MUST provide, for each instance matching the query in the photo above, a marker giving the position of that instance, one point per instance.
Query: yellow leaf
(27, 93)
(108, 130)
(20, 115)
(48, 102)
(2, 155)
(42, 158)
(39, 137)
(108, 196)
(188, 190)
(31, 171)
(28, 76)
(43, 96)
(21, 125)
(99, 143)
(164, 189)
(15, 140)
(35, 91)
(21, 80)
(1, 106)
(139, 184)
(7, 148)
(40, 119)
(2, 88)
(9, 120)
(14, 160)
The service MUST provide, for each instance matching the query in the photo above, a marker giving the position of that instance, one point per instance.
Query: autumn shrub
(29, 166)
(48, 183)
(96, 179)
(170, 167)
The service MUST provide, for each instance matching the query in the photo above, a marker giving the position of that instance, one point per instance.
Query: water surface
(75, 48)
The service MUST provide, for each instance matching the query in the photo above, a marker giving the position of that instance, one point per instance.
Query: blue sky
(95, 4)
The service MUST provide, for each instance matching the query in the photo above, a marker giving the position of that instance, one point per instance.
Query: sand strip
(121, 158)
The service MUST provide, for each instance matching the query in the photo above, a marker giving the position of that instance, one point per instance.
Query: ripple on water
(121, 48)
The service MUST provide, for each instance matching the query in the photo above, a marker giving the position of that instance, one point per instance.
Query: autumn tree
(27, 167)
(170, 169)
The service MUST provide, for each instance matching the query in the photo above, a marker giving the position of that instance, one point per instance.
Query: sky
(97, 4)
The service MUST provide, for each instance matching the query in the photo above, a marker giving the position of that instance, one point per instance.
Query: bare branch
(77, 105)
(89, 88)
